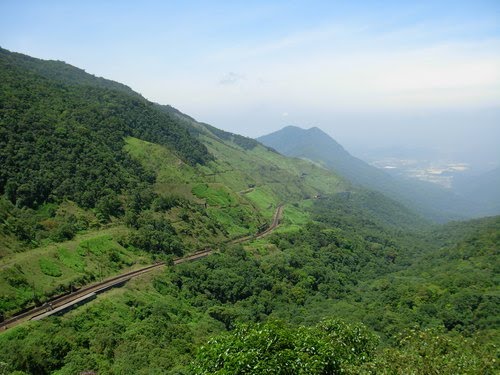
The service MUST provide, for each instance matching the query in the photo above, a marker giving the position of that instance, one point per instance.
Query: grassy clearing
(215, 195)
(295, 217)
(160, 160)
(40, 273)
(267, 178)
(71, 259)
(237, 221)
(49, 267)
(264, 201)
(178, 190)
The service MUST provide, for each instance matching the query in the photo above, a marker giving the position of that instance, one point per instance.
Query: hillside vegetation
(84, 158)
(351, 281)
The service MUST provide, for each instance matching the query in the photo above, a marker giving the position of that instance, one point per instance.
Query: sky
(372, 74)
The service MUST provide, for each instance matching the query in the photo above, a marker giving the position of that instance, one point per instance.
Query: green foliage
(49, 268)
(71, 259)
(453, 287)
(96, 246)
(433, 352)
(276, 348)
(244, 142)
(156, 235)
(309, 274)
(148, 333)
(35, 351)
(14, 276)
(64, 232)
(165, 203)
(31, 277)
(64, 138)
(351, 254)
(107, 206)
(214, 195)
(363, 209)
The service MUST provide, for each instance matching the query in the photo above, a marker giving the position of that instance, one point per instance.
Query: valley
(440, 192)
(438, 172)
(100, 185)
(66, 302)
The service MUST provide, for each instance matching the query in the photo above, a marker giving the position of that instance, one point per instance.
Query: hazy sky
(370, 73)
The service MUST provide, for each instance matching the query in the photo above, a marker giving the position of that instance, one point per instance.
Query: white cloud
(231, 78)
(340, 69)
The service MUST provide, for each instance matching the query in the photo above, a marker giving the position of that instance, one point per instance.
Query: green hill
(92, 172)
(63, 137)
(96, 180)
(425, 198)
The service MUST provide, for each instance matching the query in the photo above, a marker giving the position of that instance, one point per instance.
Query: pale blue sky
(370, 73)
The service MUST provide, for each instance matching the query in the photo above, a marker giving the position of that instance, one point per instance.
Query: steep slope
(63, 138)
(313, 144)
(62, 72)
(95, 179)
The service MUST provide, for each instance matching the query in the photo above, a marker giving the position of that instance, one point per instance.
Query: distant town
(438, 172)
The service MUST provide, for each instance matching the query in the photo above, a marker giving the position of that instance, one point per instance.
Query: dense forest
(64, 138)
(396, 314)
(96, 180)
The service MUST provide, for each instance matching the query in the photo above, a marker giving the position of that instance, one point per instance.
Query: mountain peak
(295, 128)
(316, 130)
(295, 141)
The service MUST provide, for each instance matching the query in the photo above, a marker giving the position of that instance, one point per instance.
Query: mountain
(97, 181)
(60, 72)
(319, 147)
(430, 200)
(88, 163)
(60, 134)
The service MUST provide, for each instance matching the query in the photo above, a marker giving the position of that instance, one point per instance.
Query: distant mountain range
(430, 200)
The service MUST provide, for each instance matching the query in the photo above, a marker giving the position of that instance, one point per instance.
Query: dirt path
(102, 286)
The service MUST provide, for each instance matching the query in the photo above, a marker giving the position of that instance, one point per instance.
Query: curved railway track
(66, 300)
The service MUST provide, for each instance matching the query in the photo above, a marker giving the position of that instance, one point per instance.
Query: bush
(49, 268)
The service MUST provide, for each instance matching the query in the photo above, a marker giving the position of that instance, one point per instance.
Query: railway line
(65, 302)
(278, 213)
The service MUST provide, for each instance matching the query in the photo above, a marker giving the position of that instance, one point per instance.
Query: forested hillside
(435, 312)
(96, 181)
(116, 179)
(62, 133)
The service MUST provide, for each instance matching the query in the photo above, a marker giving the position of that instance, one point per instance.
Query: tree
(330, 347)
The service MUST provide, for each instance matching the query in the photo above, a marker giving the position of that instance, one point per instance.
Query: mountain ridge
(427, 199)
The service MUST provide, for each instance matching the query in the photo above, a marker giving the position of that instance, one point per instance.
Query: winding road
(66, 301)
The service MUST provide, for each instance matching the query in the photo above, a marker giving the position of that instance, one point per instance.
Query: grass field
(55, 268)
